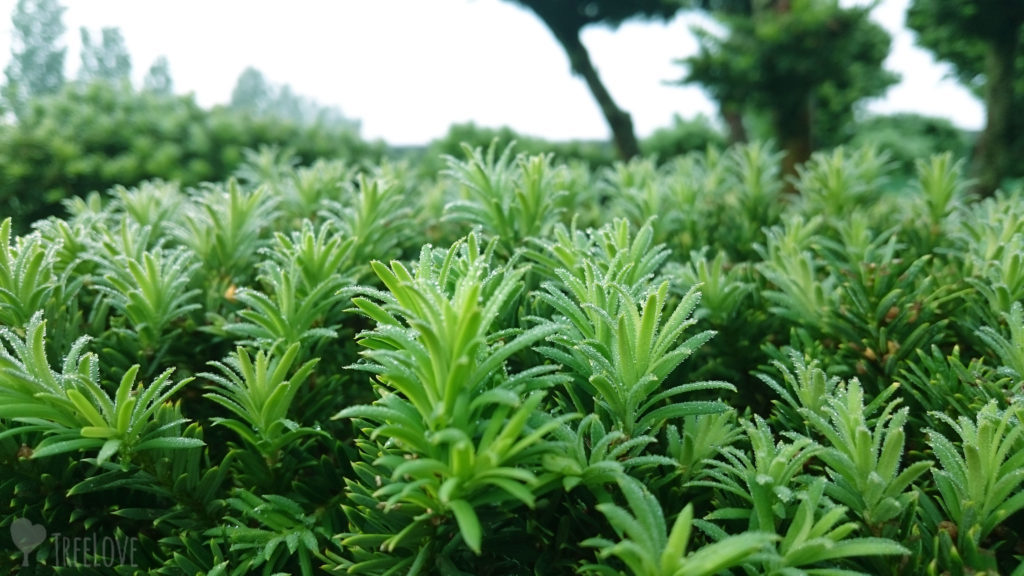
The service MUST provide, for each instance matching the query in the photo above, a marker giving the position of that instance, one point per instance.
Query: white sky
(408, 69)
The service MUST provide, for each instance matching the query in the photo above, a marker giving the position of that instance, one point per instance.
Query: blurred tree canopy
(984, 41)
(567, 18)
(158, 78)
(107, 60)
(255, 95)
(804, 63)
(252, 92)
(36, 67)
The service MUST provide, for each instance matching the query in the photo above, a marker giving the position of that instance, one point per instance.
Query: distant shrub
(592, 152)
(909, 137)
(682, 137)
(93, 136)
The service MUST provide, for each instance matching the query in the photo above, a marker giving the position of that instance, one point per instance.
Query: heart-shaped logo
(27, 536)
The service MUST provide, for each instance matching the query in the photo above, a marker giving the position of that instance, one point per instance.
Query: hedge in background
(909, 137)
(91, 137)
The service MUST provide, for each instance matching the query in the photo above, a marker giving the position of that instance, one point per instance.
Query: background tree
(108, 60)
(804, 63)
(567, 18)
(37, 54)
(983, 41)
(252, 93)
(255, 95)
(158, 79)
(731, 112)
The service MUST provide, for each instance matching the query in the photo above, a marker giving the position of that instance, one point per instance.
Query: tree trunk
(995, 145)
(733, 116)
(793, 128)
(618, 120)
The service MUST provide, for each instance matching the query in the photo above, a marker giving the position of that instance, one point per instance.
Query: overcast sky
(408, 69)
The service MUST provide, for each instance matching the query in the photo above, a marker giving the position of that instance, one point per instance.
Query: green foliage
(909, 138)
(979, 483)
(375, 214)
(723, 288)
(73, 411)
(510, 203)
(462, 433)
(595, 455)
(315, 256)
(718, 199)
(546, 400)
(90, 137)
(989, 241)
(258, 393)
(284, 529)
(451, 144)
(891, 305)
(703, 436)
(864, 460)
(290, 314)
(251, 91)
(36, 277)
(761, 482)
(646, 549)
(26, 276)
(225, 228)
(151, 293)
(614, 335)
(1010, 351)
(804, 390)
(787, 504)
(832, 184)
(683, 137)
(942, 188)
(815, 537)
(626, 351)
(797, 289)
